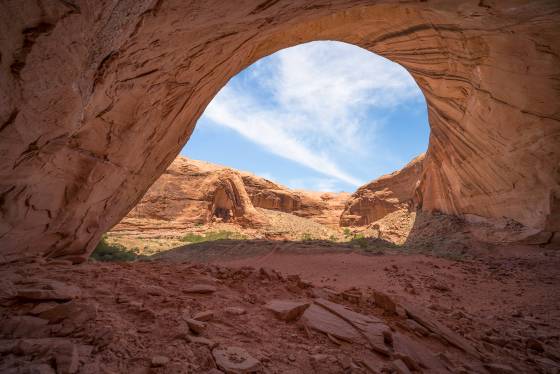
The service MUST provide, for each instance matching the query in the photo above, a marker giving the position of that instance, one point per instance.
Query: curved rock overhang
(97, 98)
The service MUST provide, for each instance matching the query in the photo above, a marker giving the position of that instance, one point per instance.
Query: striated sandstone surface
(197, 197)
(192, 191)
(196, 192)
(98, 98)
(322, 207)
(384, 195)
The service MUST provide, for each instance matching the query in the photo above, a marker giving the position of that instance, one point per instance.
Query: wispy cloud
(313, 184)
(262, 127)
(312, 104)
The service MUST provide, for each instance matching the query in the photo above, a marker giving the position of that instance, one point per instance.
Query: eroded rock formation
(196, 191)
(98, 98)
(384, 195)
(192, 191)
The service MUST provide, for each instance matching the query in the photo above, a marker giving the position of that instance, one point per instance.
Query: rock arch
(97, 98)
(229, 200)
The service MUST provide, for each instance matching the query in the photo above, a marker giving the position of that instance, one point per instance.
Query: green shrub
(361, 240)
(192, 238)
(347, 232)
(112, 252)
(212, 236)
(306, 236)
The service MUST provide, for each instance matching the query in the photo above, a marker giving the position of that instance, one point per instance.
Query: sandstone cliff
(384, 195)
(192, 191)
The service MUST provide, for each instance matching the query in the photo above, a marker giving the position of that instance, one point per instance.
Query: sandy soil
(133, 317)
(510, 293)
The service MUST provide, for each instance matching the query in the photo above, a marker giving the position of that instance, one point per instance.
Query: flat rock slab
(372, 328)
(236, 360)
(79, 313)
(347, 314)
(24, 326)
(443, 331)
(371, 362)
(499, 369)
(204, 316)
(200, 288)
(67, 358)
(287, 310)
(48, 290)
(320, 319)
(416, 355)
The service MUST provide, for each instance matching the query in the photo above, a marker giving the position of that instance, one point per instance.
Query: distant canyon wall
(192, 191)
(384, 195)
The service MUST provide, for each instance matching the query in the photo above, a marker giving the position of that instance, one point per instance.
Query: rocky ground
(152, 236)
(285, 311)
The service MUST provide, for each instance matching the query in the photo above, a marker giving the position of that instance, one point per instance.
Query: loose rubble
(110, 318)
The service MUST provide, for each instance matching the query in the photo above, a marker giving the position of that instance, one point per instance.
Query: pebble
(235, 310)
(159, 361)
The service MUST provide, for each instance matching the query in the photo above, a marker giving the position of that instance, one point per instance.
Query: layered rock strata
(383, 195)
(199, 192)
(98, 99)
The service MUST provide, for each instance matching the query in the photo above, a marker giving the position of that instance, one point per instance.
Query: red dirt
(507, 307)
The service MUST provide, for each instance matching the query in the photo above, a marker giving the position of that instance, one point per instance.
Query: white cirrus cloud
(311, 103)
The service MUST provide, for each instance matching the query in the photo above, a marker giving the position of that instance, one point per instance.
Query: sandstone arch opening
(494, 131)
(98, 98)
(318, 117)
(328, 111)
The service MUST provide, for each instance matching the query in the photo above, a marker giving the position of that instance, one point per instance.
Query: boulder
(235, 310)
(47, 289)
(204, 316)
(195, 326)
(287, 310)
(235, 360)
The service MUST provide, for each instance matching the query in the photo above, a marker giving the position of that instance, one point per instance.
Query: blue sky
(323, 116)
